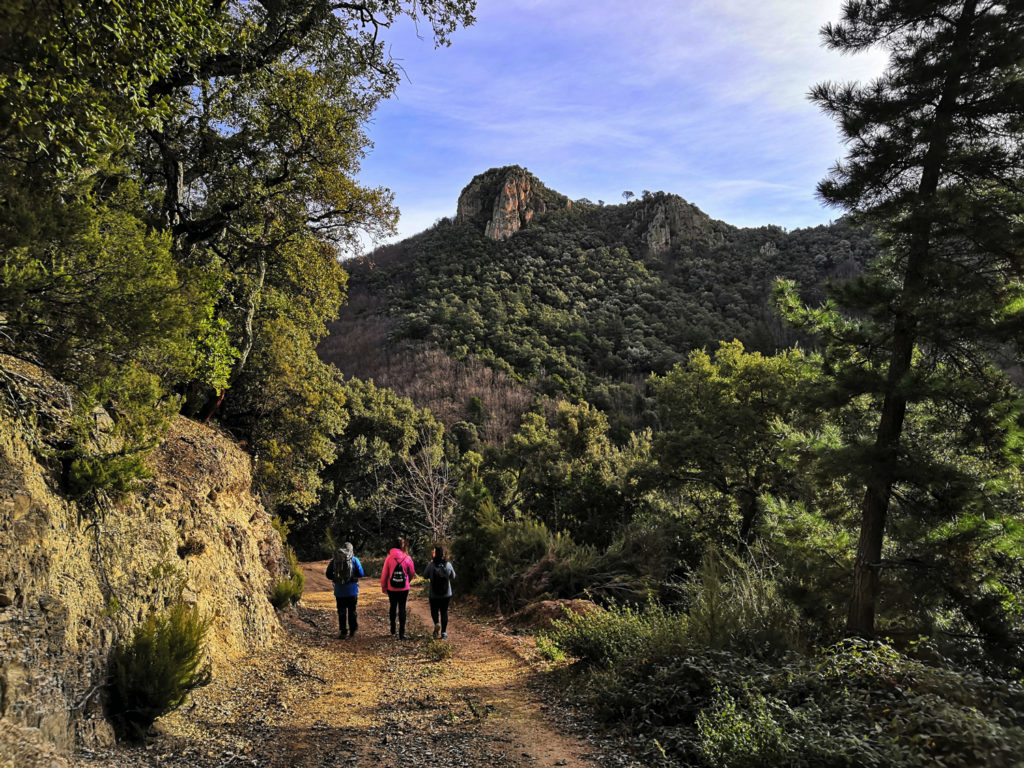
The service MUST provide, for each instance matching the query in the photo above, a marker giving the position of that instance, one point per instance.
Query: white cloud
(705, 98)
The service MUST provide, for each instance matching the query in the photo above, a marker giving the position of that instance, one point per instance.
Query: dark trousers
(347, 609)
(439, 607)
(397, 600)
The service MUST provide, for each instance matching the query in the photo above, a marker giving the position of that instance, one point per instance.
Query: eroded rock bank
(73, 580)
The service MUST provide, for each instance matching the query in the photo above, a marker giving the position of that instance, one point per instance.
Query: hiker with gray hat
(344, 570)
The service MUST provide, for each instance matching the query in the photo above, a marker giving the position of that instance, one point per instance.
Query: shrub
(289, 591)
(739, 608)
(438, 650)
(745, 736)
(855, 704)
(153, 672)
(549, 650)
(620, 634)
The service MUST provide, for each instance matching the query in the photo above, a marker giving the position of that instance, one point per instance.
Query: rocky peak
(664, 220)
(502, 201)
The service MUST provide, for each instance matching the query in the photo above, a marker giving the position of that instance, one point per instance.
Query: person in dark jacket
(396, 585)
(441, 574)
(346, 589)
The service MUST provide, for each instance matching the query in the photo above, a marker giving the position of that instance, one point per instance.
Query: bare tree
(426, 489)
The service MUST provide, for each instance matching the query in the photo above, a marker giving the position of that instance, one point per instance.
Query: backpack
(342, 567)
(439, 580)
(397, 580)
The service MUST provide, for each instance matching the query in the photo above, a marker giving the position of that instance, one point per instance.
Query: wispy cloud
(705, 98)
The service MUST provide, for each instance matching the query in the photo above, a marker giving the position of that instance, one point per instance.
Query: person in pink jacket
(395, 578)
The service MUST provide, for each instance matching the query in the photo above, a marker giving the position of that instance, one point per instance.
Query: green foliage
(854, 704)
(620, 634)
(549, 650)
(720, 420)
(561, 468)
(75, 93)
(358, 498)
(934, 164)
(286, 592)
(116, 475)
(741, 736)
(739, 608)
(577, 303)
(438, 650)
(153, 672)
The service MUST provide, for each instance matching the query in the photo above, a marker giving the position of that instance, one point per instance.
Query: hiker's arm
(330, 570)
(357, 568)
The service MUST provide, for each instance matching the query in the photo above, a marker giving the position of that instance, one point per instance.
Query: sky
(706, 99)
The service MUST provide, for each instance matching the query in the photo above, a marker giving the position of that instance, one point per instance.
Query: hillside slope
(577, 298)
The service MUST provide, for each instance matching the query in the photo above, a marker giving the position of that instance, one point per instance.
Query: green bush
(741, 735)
(854, 704)
(739, 608)
(289, 591)
(620, 634)
(154, 671)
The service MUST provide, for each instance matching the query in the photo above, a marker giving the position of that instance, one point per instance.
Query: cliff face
(665, 220)
(72, 582)
(502, 201)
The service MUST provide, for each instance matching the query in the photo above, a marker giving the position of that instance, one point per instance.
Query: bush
(739, 608)
(855, 704)
(438, 650)
(153, 672)
(744, 736)
(289, 591)
(620, 634)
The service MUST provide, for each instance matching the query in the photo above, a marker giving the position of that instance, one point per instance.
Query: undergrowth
(153, 672)
(729, 685)
(288, 591)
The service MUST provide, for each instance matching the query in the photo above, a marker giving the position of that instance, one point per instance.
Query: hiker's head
(439, 556)
(346, 549)
(401, 544)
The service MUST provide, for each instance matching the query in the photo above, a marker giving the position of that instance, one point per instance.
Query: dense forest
(786, 465)
(580, 303)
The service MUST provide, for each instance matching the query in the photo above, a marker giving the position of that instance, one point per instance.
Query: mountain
(571, 298)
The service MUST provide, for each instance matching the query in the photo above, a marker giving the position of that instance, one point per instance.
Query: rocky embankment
(74, 578)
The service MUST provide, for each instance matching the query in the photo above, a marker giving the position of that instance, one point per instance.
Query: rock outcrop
(73, 581)
(502, 201)
(664, 220)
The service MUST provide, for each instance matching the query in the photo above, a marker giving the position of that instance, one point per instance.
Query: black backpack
(439, 579)
(342, 567)
(397, 580)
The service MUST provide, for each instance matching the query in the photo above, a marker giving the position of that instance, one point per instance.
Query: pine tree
(936, 165)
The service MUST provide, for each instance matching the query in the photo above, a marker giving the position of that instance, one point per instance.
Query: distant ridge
(570, 298)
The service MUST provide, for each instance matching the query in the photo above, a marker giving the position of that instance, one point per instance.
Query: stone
(501, 201)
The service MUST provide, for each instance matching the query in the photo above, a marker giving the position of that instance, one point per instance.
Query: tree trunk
(748, 515)
(875, 507)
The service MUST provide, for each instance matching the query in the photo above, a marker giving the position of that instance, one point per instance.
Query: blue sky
(703, 98)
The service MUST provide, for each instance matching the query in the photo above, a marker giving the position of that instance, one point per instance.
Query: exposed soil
(372, 700)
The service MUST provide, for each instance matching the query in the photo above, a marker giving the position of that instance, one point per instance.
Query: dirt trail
(371, 700)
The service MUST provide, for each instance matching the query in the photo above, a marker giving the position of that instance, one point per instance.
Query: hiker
(395, 578)
(344, 570)
(441, 574)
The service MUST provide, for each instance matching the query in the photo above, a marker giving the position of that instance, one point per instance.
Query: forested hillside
(587, 300)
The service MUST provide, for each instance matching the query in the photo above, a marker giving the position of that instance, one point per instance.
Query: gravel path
(372, 700)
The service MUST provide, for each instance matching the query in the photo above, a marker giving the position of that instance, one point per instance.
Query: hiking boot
(437, 630)
(444, 635)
